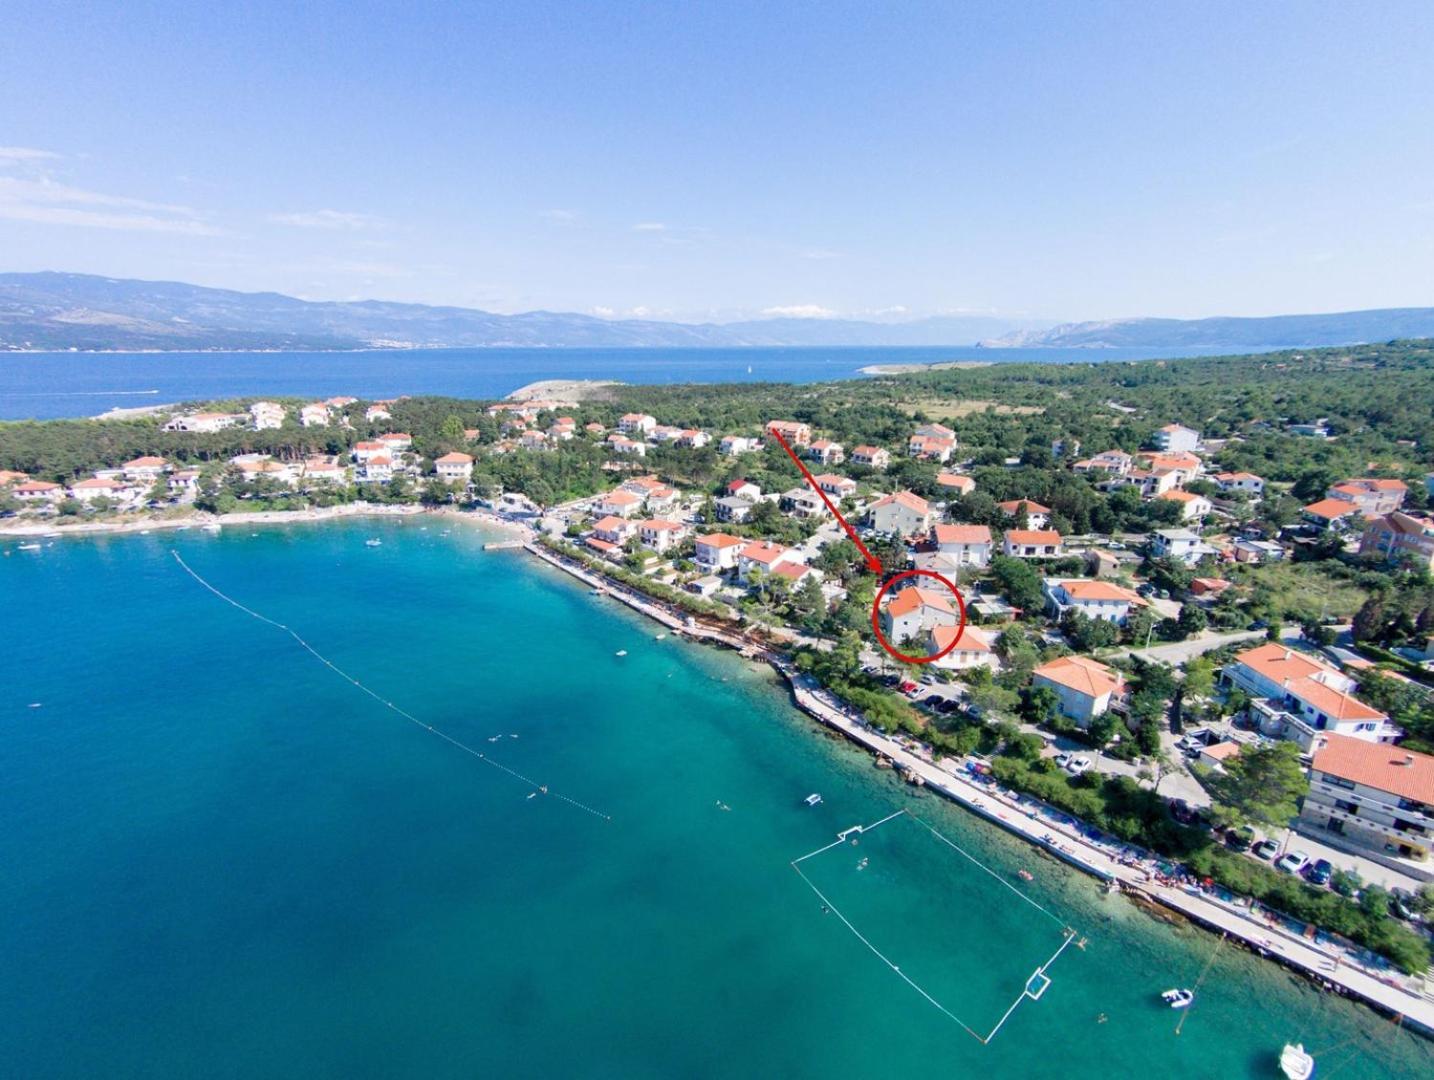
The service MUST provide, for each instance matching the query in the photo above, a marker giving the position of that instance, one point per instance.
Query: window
(1337, 781)
(1347, 807)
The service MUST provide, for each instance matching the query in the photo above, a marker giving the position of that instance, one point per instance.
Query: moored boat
(1178, 998)
(1295, 1063)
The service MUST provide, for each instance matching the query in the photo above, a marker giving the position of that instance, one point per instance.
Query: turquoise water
(221, 860)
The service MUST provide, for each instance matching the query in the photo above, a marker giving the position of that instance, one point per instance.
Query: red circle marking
(876, 616)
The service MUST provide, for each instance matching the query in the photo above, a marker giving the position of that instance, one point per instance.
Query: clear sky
(1071, 160)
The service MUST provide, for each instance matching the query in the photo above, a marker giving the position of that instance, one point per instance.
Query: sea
(223, 859)
(49, 385)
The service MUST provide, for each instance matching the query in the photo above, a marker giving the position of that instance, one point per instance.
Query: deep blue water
(220, 860)
(43, 385)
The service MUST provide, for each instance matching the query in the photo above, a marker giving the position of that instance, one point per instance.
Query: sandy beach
(908, 369)
(268, 517)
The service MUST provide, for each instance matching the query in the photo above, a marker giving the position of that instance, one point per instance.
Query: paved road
(1177, 652)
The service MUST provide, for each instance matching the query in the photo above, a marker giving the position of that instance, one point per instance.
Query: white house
(314, 415)
(1084, 687)
(914, 611)
(743, 489)
(613, 529)
(802, 502)
(1175, 437)
(903, 514)
(1037, 516)
(1093, 598)
(731, 508)
(764, 555)
(377, 411)
(454, 467)
(619, 503)
(718, 551)
(839, 487)
(955, 482)
(827, 452)
(873, 457)
(636, 424)
(621, 444)
(1031, 543)
(367, 449)
(732, 445)
(37, 491)
(206, 422)
(691, 437)
(1192, 507)
(1298, 696)
(1182, 545)
(397, 441)
(1374, 800)
(183, 481)
(1114, 462)
(377, 469)
(267, 415)
(323, 470)
(974, 649)
(794, 432)
(930, 447)
(145, 470)
(964, 545)
(659, 534)
(1246, 482)
(87, 491)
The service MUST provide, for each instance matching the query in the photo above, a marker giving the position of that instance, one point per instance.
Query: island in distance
(48, 311)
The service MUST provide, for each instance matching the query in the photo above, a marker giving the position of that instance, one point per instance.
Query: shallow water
(221, 859)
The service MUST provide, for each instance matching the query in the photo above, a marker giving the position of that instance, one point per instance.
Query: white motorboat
(1178, 998)
(1295, 1063)
(29, 547)
(813, 799)
(620, 652)
(374, 542)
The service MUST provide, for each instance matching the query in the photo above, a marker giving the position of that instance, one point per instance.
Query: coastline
(259, 517)
(911, 369)
(1054, 832)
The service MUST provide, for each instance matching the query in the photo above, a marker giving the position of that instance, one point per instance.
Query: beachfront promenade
(1138, 872)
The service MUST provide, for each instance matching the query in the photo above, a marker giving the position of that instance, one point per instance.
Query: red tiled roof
(914, 599)
(1405, 773)
(962, 534)
(1033, 537)
(1081, 674)
(1331, 509)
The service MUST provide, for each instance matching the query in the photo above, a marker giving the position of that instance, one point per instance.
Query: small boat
(863, 864)
(1295, 1063)
(29, 547)
(813, 799)
(1111, 887)
(1178, 999)
(661, 637)
(373, 542)
(1025, 875)
(213, 527)
(620, 652)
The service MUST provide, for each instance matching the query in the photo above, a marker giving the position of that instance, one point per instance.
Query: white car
(1077, 765)
(1292, 862)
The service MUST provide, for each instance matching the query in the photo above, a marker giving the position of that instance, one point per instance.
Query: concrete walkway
(1137, 871)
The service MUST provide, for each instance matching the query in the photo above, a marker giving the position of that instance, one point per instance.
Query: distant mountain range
(1273, 331)
(81, 311)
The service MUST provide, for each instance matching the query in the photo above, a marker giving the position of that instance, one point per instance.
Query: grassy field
(948, 409)
(1297, 592)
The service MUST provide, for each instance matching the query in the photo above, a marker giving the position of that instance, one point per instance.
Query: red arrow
(872, 562)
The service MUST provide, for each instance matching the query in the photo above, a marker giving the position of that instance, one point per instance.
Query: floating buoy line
(538, 789)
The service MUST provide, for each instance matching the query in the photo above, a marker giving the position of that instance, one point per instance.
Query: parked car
(1063, 760)
(1292, 862)
(1320, 872)
(1241, 839)
(1078, 765)
(1265, 849)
